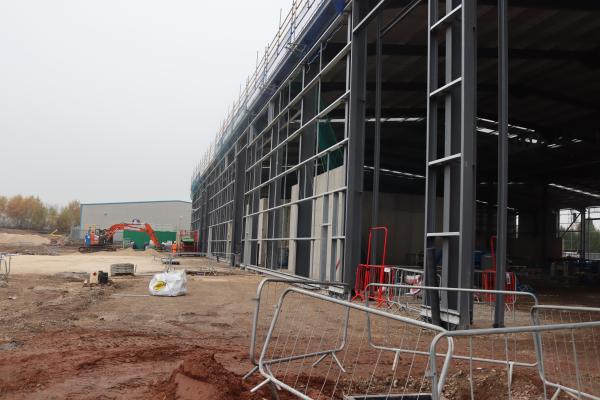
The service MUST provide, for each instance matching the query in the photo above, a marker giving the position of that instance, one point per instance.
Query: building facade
(170, 215)
(396, 113)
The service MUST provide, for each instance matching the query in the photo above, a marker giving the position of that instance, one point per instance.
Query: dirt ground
(145, 262)
(61, 340)
(16, 238)
(28, 242)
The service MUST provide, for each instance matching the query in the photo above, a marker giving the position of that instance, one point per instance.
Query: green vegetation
(572, 238)
(31, 213)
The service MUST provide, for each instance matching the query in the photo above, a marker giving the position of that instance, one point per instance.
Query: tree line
(572, 237)
(31, 213)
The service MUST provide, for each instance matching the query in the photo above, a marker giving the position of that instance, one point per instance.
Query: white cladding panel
(162, 215)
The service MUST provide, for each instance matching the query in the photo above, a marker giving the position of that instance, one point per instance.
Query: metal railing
(315, 348)
(5, 261)
(397, 284)
(267, 293)
(569, 358)
(399, 299)
(318, 346)
(283, 43)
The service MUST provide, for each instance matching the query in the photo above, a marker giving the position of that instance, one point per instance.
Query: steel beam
(573, 5)
(587, 57)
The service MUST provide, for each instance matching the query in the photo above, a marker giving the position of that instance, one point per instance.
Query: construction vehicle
(188, 241)
(102, 239)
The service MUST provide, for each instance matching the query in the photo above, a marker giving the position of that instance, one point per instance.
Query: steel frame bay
(267, 180)
(452, 92)
(283, 164)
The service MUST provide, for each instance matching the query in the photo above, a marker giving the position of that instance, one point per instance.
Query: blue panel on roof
(339, 5)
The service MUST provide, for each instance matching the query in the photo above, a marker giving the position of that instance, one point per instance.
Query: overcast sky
(115, 100)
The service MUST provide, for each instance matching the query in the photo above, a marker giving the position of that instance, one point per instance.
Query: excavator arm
(152, 235)
(106, 236)
(110, 232)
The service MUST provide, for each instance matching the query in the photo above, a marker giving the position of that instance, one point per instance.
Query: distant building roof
(137, 202)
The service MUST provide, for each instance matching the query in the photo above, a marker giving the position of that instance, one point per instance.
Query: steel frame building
(405, 96)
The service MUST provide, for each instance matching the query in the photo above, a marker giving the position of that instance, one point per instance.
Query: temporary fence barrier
(411, 298)
(399, 282)
(5, 260)
(267, 293)
(570, 358)
(481, 315)
(317, 346)
(566, 352)
(323, 347)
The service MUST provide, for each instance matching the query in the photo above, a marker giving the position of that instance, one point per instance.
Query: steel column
(254, 200)
(431, 145)
(377, 141)
(456, 163)
(469, 151)
(356, 135)
(501, 227)
(274, 188)
(238, 200)
(306, 175)
(204, 223)
(583, 233)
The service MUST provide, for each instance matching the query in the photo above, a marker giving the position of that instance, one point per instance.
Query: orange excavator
(102, 239)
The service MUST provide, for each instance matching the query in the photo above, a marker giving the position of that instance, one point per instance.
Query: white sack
(170, 283)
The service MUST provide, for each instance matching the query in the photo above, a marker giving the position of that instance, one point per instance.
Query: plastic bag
(414, 280)
(169, 283)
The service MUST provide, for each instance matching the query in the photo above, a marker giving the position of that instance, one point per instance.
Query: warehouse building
(166, 217)
(466, 129)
